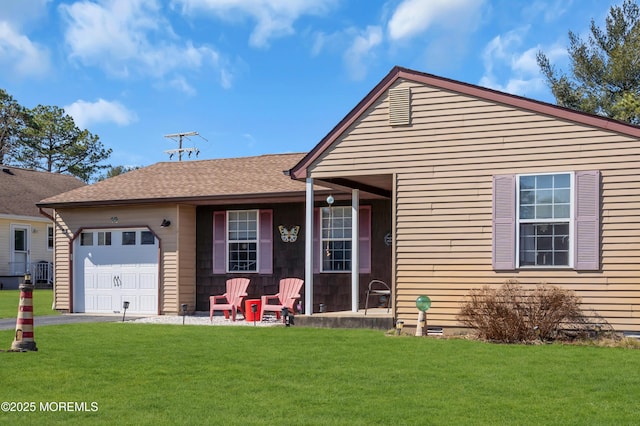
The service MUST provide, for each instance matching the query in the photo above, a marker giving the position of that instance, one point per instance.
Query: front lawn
(127, 373)
(41, 299)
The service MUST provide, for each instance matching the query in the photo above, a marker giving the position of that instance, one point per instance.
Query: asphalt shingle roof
(190, 180)
(21, 189)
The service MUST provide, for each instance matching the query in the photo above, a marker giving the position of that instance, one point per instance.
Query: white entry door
(20, 249)
(116, 266)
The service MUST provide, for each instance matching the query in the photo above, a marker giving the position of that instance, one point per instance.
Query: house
(174, 232)
(435, 186)
(487, 187)
(26, 232)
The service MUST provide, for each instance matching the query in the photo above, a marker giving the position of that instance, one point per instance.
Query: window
(332, 230)
(129, 238)
(147, 238)
(336, 239)
(104, 238)
(544, 219)
(547, 220)
(243, 241)
(86, 239)
(49, 237)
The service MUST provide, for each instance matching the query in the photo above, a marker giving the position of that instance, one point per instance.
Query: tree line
(46, 138)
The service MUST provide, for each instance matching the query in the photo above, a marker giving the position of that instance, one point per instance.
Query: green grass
(10, 301)
(173, 374)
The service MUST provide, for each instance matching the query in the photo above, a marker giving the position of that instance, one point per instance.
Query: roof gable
(300, 170)
(21, 189)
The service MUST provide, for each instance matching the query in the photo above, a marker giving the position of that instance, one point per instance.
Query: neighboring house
(174, 232)
(26, 232)
(440, 187)
(488, 187)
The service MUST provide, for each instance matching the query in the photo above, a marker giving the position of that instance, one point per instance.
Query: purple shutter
(587, 221)
(504, 222)
(265, 246)
(219, 242)
(316, 241)
(364, 235)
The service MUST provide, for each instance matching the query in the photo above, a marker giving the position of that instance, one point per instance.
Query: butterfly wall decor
(289, 235)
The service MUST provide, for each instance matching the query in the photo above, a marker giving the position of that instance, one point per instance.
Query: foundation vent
(400, 106)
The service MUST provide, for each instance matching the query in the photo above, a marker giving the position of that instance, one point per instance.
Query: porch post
(355, 249)
(308, 250)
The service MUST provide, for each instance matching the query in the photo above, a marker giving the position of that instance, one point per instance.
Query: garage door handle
(116, 281)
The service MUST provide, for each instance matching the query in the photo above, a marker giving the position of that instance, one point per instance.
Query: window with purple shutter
(534, 211)
(332, 239)
(243, 241)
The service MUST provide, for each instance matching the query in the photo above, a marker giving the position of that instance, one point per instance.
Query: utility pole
(177, 137)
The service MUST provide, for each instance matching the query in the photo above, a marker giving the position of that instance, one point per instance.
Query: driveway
(10, 323)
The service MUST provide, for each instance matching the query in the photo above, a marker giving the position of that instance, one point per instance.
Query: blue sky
(262, 76)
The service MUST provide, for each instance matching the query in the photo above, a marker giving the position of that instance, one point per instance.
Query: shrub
(511, 313)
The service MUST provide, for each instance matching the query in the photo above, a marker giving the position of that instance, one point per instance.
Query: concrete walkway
(10, 323)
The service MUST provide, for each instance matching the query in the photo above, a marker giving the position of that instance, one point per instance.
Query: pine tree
(605, 74)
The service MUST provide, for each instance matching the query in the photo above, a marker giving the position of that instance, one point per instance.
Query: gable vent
(400, 106)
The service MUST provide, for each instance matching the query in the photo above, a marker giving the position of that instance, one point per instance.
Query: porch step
(320, 321)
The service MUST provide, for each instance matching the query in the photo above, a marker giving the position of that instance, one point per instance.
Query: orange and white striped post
(24, 325)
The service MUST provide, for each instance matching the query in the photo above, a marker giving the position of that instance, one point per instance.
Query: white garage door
(113, 266)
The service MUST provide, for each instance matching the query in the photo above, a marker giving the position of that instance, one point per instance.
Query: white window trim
(572, 235)
(323, 241)
(227, 242)
(53, 236)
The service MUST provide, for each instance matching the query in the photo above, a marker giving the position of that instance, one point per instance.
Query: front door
(20, 249)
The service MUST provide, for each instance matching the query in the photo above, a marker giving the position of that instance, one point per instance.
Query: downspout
(48, 216)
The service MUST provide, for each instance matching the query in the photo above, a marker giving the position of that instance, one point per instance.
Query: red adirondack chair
(287, 296)
(231, 300)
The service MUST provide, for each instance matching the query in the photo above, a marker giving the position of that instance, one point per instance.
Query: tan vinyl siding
(186, 224)
(444, 162)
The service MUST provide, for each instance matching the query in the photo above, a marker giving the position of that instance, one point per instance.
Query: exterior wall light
(125, 306)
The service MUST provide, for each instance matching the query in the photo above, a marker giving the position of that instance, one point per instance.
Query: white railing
(41, 272)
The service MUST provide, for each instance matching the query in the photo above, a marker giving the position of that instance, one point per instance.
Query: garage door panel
(111, 274)
(148, 281)
(129, 280)
(104, 281)
(148, 304)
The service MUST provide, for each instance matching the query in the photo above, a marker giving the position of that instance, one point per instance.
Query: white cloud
(413, 17)
(130, 38)
(87, 113)
(181, 84)
(550, 10)
(357, 56)
(21, 56)
(510, 69)
(273, 18)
